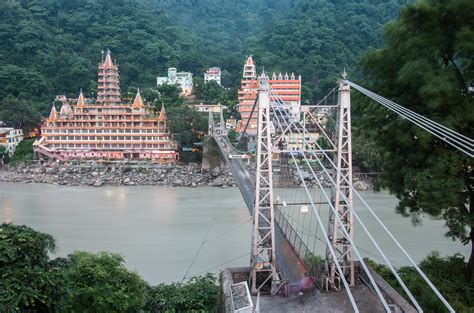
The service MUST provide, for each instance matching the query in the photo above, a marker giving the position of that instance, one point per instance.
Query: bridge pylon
(263, 260)
(341, 195)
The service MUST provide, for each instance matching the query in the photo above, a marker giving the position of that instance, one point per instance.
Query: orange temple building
(287, 87)
(106, 128)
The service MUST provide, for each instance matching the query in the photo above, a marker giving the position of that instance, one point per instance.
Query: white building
(10, 138)
(214, 108)
(297, 141)
(183, 79)
(213, 73)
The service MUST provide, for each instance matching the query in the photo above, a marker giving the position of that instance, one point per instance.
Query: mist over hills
(53, 46)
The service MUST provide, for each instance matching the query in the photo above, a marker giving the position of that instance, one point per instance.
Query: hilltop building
(10, 138)
(214, 108)
(213, 74)
(287, 87)
(183, 79)
(106, 128)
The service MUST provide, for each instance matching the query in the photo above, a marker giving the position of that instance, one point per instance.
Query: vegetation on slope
(53, 47)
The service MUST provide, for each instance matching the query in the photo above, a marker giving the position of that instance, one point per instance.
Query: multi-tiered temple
(286, 87)
(106, 128)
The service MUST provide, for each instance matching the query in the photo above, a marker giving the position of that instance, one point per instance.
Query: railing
(286, 229)
(291, 235)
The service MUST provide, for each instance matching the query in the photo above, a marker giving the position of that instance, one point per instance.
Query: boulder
(361, 186)
(98, 183)
(215, 172)
(219, 181)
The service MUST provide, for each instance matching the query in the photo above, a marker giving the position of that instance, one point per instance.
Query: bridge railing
(242, 177)
(291, 235)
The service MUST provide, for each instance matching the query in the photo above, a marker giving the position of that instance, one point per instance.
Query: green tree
(101, 283)
(447, 274)
(425, 66)
(187, 124)
(4, 155)
(200, 294)
(210, 92)
(168, 95)
(28, 280)
(23, 152)
(19, 113)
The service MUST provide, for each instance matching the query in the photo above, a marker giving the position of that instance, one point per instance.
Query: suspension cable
(346, 234)
(442, 132)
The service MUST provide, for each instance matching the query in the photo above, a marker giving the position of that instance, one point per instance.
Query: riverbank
(133, 174)
(98, 175)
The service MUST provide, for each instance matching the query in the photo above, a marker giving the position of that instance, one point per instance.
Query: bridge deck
(292, 268)
(317, 302)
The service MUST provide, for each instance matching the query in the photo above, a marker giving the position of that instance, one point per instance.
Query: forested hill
(53, 46)
(318, 38)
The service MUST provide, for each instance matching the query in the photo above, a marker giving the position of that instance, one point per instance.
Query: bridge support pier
(263, 261)
(341, 196)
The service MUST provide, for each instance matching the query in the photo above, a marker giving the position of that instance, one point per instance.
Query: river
(159, 230)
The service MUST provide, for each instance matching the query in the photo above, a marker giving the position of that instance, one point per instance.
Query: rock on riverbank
(105, 175)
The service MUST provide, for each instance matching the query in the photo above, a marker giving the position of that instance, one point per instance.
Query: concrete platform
(315, 300)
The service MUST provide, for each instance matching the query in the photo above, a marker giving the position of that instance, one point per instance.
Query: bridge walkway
(291, 265)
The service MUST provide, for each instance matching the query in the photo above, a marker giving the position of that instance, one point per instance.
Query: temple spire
(65, 110)
(250, 71)
(108, 59)
(162, 116)
(108, 83)
(53, 114)
(138, 102)
(80, 100)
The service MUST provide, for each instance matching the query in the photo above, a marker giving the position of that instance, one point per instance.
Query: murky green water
(159, 230)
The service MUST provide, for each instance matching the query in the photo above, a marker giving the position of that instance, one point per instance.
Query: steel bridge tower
(263, 260)
(341, 195)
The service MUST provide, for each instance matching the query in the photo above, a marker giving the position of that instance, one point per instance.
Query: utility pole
(343, 205)
(263, 261)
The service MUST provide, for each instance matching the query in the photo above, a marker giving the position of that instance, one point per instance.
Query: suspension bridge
(304, 235)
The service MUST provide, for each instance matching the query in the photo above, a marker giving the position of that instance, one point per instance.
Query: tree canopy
(28, 277)
(86, 282)
(53, 47)
(425, 66)
(447, 275)
(102, 282)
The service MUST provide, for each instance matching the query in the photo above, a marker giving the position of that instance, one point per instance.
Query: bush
(447, 274)
(86, 282)
(198, 294)
(101, 282)
(23, 152)
(28, 278)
